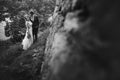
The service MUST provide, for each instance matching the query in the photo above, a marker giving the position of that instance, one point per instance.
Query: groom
(35, 24)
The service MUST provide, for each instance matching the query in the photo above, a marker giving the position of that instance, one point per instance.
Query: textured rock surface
(84, 41)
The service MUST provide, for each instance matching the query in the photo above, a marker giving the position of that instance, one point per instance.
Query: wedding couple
(32, 24)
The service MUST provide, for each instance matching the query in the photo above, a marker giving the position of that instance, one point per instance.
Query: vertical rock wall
(84, 41)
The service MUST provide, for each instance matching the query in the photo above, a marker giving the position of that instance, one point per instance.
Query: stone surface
(84, 41)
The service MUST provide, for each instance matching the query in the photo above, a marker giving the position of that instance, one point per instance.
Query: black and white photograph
(59, 39)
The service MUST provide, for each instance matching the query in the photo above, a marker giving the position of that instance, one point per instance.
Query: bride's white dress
(28, 39)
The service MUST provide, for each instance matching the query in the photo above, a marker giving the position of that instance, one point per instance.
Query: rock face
(84, 41)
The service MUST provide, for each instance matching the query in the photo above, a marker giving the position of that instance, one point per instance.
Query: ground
(16, 64)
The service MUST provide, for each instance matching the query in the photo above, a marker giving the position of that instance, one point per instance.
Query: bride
(28, 39)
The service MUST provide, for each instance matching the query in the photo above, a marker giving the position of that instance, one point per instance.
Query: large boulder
(84, 41)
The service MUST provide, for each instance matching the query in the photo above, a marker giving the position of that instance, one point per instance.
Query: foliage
(14, 6)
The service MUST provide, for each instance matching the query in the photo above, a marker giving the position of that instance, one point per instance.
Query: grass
(17, 64)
